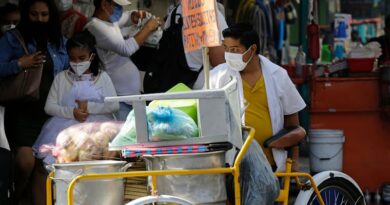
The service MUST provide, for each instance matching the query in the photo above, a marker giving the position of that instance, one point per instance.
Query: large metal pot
(107, 191)
(199, 189)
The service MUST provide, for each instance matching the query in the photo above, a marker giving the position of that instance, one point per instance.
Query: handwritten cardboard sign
(200, 27)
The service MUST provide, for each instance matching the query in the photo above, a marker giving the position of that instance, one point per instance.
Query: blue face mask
(116, 14)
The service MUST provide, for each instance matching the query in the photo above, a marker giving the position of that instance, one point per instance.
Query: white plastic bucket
(326, 149)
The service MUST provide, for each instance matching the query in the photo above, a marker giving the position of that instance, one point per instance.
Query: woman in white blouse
(114, 50)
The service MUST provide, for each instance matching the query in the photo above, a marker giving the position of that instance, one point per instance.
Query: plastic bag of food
(171, 124)
(83, 142)
(127, 135)
(163, 123)
(257, 180)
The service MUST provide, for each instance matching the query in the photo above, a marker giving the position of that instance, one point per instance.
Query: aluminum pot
(199, 189)
(105, 191)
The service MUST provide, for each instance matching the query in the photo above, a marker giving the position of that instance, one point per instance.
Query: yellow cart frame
(234, 170)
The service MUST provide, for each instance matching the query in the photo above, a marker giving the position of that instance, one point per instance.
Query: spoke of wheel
(358, 200)
(342, 200)
(327, 196)
(336, 196)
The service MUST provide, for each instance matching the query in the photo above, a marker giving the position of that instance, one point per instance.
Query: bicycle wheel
(162, 198)
(336, 188)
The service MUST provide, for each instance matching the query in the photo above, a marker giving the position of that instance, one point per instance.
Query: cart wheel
(161, 198)
(336, 188)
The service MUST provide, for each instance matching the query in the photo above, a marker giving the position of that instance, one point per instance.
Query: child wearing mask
(10, 17)
(77, 94)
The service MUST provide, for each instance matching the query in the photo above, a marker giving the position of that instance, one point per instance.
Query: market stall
(353, 104)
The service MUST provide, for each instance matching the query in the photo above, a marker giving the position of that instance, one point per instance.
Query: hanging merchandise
(260, 26)
(269, 29)
(262, 15)
(300, 61)
(245, 8)
(271, 14)
(281, 33)
(342, 26)
(362, 32)
(341, 30)
(258, 21)
(339, 52)
(265, 6)
(326, 53)
(371, 31)
(250, 12)
(290, 13)
(313, 34)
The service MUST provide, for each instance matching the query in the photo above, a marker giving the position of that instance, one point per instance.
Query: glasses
(234, 49)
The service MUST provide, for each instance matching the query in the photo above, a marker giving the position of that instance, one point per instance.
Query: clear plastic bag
(83, 91)
(127, 135)
(171, 124)
(164, 123)
(83, 142)
(257, 180)
(152, 40)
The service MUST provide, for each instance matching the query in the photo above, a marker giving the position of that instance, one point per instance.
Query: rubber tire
(161, 198)
(342, 183)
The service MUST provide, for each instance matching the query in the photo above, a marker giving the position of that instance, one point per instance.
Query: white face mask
(7, 27)
(235, 61)
(80, 68)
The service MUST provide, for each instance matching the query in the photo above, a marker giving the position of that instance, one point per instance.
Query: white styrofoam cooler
(219, 117)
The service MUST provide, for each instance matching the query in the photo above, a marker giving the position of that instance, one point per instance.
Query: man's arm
(291, 120)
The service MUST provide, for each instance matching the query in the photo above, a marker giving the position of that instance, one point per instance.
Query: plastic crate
(360, 65)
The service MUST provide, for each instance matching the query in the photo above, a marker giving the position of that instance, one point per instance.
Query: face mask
(7, 27)
(64, 5)
(80, 68)
(235, 62)
(38, 27)
(116, 14)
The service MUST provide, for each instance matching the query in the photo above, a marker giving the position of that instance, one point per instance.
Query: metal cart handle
(161, 198)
